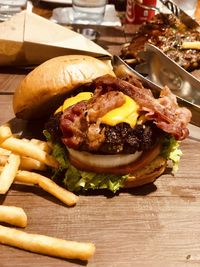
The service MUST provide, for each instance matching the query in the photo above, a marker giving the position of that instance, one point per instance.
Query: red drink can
(136, 14)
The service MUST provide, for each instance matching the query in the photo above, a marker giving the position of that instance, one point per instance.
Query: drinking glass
(8, 8)
(188, 6)
(88, 11)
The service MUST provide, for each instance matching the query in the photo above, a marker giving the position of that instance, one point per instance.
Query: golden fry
(191, 45)
(46, 245)
(8, 173)
(3, 160)
(64, 195)
(29, 149)
(26, 177)
(4, 152)
(29, 164)
(5, 132)
(42, 144)
(13, 215)
(25, 140)
(48, 185)
(26, 163)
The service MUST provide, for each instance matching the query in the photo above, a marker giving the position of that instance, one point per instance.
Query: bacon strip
(100, 104)
(80, 125)
(73, 125)
(165, 111)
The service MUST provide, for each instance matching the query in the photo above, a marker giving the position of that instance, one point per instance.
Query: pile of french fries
(19, 161)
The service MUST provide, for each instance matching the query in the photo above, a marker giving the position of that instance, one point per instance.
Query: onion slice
(103, 161)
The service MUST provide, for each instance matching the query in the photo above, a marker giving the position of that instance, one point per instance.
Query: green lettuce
(171, 151)
(76, 180)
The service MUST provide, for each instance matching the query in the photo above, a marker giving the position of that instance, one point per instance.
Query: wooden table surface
(154, 225)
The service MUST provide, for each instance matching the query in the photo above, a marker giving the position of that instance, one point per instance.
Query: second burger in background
(109, 133)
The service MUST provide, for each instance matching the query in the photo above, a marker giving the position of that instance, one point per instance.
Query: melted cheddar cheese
(73, 100)
(125, 113)
(128, 112)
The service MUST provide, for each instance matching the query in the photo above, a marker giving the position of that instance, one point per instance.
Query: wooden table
(154, 225)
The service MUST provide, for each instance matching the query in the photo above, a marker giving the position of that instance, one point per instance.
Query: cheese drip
(73, 100)
(128, 112)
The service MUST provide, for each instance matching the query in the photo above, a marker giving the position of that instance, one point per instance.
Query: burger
(107, 132)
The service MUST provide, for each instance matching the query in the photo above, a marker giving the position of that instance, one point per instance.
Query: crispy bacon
(73, 125)
(76, 129)
(80, 125)
(165, 111)
(100, 104)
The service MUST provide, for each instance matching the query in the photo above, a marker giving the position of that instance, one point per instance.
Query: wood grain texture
(6, 110)
(10, 82)
(155, 225)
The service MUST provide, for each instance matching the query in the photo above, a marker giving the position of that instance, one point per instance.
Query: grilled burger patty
(124, 139)
(117, 139)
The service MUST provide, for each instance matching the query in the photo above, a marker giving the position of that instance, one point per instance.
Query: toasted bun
(43, 89)
(148, 174)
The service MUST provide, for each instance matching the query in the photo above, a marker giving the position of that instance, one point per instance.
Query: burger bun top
(44, 88)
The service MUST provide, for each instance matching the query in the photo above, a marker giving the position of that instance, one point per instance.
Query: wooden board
(149, 226)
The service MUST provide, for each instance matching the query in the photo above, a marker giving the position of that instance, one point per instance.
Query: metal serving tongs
(176, 10)
(120, 65)
(162, 70)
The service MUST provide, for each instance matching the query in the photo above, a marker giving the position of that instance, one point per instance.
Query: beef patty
(118, 139)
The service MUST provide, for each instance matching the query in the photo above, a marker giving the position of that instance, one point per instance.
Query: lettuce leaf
(76, 180)
(172, 152)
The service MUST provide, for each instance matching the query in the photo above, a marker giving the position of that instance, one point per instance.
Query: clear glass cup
(8, 8)
(188, 6)
(88, 11)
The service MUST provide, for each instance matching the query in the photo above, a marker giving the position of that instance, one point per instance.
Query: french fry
(48, 185)
(5, 132)
(26, 163)
(8, 173)
(25, 140)
(3, 160)
(191, 45)
(30, 164)
(42, 144)
(13, 215)
(29, 149)
(4, 152)
(46, 245)
(26, 177)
